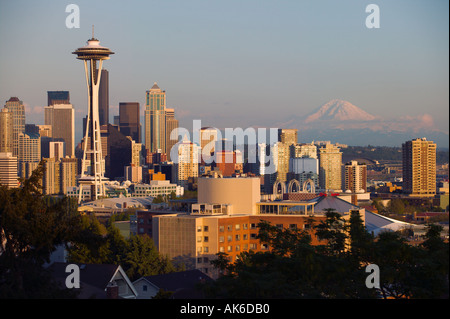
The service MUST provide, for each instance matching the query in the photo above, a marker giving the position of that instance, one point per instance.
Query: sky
(234, 63)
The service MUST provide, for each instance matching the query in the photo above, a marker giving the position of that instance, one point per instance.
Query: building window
(237, 237)
(221, 228)
(199, 228)
(237, 227)
(229, 227)
(205, 228)
(205, 239)
(221, 239)
(199, 239)
(229, 238)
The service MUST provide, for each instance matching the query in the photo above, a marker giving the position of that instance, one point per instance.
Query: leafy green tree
(397, 206)
(90, 245)
(143, 259)
(31, 227)
(293, 268)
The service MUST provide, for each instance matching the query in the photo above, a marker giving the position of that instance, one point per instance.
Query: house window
(144, 288)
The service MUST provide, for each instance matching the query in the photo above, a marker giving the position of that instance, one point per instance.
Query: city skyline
(237, 64)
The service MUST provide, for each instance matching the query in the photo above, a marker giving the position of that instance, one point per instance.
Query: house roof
(183, 283)
(94, 278)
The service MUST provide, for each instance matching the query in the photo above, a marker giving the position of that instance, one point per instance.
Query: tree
(293, 268)
(137, 255)
(143, 259)
(397, 206)
(31, 227)
(332, 230)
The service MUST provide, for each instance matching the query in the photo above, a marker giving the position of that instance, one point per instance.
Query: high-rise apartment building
(56, 150)
(208, 138)
(419, 167)
(68, 174)
(355, 177)
(6, 131)
(330, 171)
(52, 178)
(155, 119)
(29, 147)
(129, 122)
(60, 175)
(288, 136)
(171, 130)
(185, 166)
(8, 170)
(305, 150)
(61, 117)
(16, 107)
(287, 139)
(103, 98)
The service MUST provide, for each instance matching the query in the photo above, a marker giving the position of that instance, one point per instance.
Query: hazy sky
(234, 63)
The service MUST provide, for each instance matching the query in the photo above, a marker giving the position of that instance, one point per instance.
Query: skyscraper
(129, 120)
(120, 151)
(16, 107)
(61, 117)
(58, 97)
(355, 177)
(287, 139)
(29, 147)
(171, 129)
(419, 167)
(330, 171)
(103, 98)
(185, 166)
(8, 170)
(68, 174)
(155, 120)
(6, 131)
(288, 136)
(208, 139)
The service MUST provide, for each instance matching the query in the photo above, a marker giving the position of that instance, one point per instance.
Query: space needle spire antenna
(92, 176)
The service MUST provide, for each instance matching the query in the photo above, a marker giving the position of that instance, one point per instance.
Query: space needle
(93, 55)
